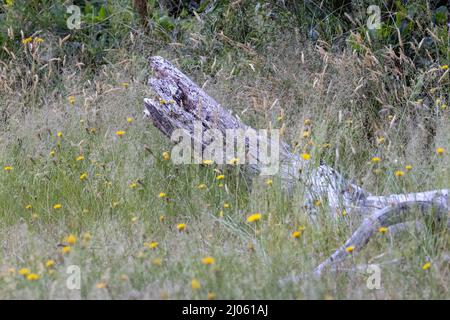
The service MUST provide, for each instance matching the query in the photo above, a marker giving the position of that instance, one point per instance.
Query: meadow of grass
(86, 181)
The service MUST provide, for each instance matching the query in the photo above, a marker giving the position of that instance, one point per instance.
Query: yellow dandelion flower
(66, 249)
(344, 212)
(28, 206)
(130, 119)
(234, 161)
(317, 203)
(195, 284)
(444, 67)
(306, 134)
(151, 245)
(79, 158)
(211, 296)
(201, 186)
(39, 40)
(305, 156)
(50, 263)
(254, 217)
(134, 219)
(162, 218)
(296, 234)
(83, 176)
(307, 122)
(376, 159)
(399, 173)
(181, 226)
(383, 229)
(408, 167)
(166, 156)
(208, 260)
(57, 206)
(8, 168)
(33, 277)
(440, 151)
(27, 40)
(443, 106)
(24, 271)
(350, 249)
(226, 205)
(207, 162)
(162, 101)
(125, 84)
(120, 133)
(59, 134)
(162, 195)
(220, 177)
(426, 266)
(133, 185)
(269, 182)
(52, 153)
(71, 100)
(71, 239)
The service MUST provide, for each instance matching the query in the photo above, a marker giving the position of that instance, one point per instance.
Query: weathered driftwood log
(181, 103)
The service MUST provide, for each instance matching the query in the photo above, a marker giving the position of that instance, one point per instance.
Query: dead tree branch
(181, 103)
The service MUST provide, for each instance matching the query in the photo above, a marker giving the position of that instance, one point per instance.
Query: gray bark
(181, 102)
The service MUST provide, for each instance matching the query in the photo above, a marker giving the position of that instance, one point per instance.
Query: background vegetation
(74, 192)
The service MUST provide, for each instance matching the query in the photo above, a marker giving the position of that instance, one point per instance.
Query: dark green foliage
(237, 30)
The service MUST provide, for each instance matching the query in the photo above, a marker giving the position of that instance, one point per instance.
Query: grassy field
(86, 181)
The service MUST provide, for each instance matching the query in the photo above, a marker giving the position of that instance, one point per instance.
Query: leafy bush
(103, 25)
